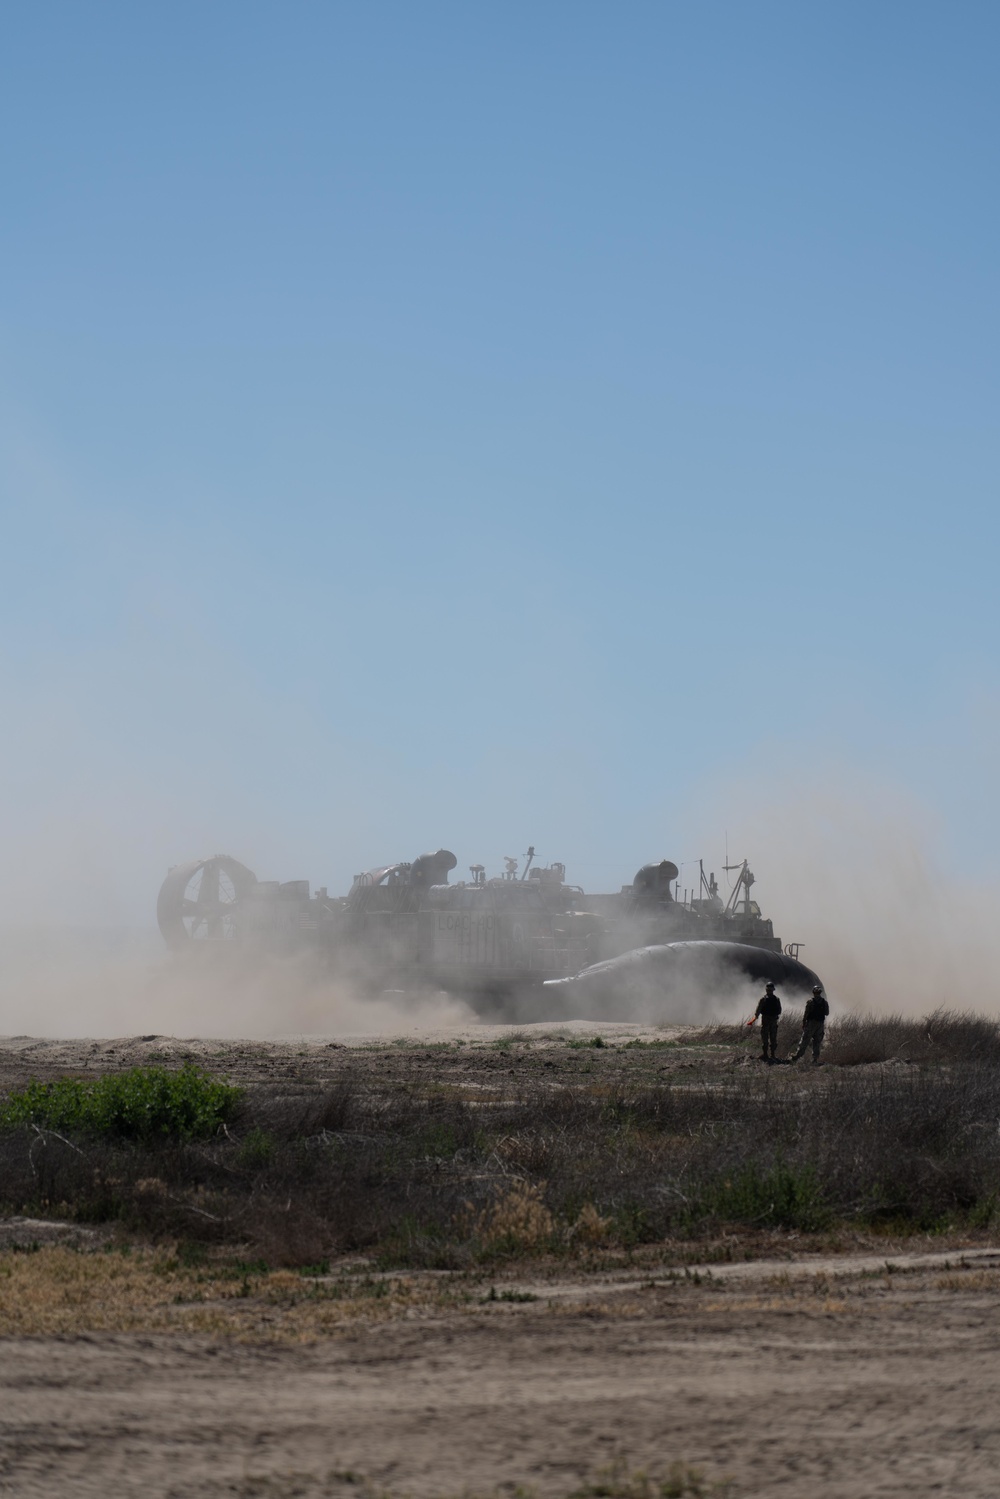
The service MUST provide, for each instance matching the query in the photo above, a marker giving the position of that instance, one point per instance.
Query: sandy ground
(848, 1376)
(77, 1052)
(454, 1053)
(840, 1384)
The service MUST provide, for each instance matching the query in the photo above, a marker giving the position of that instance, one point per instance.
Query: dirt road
(835, 1384)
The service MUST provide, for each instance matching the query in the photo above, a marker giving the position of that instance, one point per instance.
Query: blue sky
(489, 424)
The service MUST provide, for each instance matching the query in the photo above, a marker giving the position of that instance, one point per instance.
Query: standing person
(813, 1025)
(768, 1008)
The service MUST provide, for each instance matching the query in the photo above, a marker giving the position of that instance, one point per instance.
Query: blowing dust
(79, 984)
(852, 873)
(686, 998)
(858, 875)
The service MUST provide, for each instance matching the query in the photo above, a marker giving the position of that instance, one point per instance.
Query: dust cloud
(859, 875)
(849, 868)
(61, 984)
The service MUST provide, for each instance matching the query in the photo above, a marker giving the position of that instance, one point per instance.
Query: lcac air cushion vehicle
(524, 945)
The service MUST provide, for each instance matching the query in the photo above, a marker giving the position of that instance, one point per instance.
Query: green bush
(139, 1104)
(782, 1197)
(257, 1150)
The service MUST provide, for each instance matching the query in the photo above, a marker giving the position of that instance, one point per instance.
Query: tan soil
(455, 1052)
(832, 1385)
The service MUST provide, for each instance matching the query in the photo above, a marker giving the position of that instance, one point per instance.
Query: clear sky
(483, 424)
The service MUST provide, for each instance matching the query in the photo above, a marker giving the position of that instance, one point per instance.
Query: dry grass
(57, 1291)
(946, 1036)
(519, 1222)
(970, 1280)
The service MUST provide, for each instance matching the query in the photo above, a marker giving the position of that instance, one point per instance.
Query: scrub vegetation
(140, 1104)
(545, 1150)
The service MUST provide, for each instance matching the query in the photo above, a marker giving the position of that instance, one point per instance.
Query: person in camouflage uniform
(768, 1008)
(813, 1025)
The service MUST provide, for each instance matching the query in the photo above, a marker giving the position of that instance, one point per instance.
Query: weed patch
(680, 1482)
(781, 1197)
(139, 1104)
